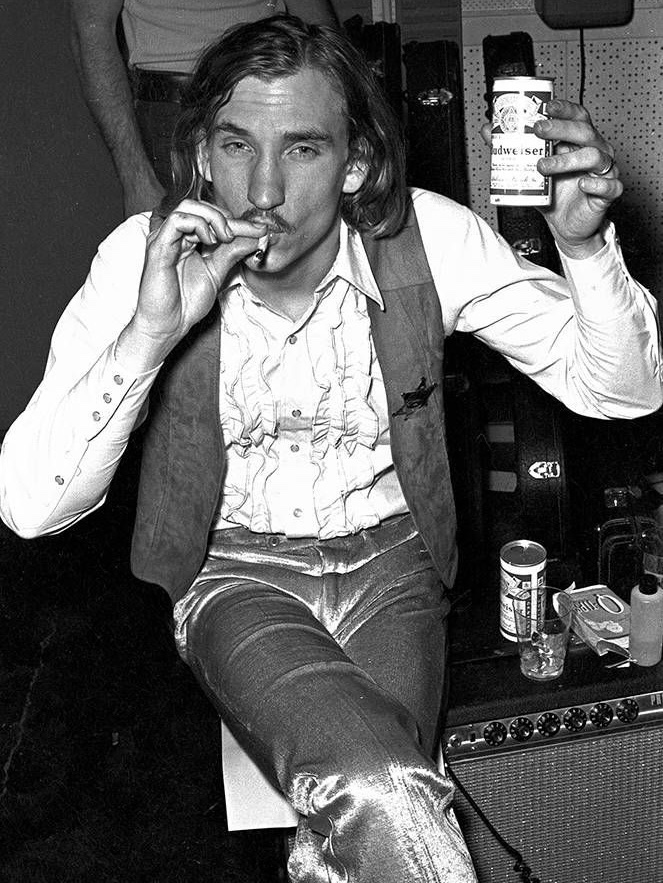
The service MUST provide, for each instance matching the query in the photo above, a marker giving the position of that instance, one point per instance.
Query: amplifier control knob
(494, 733)
(575, 719)
(521, 729)
(548, 724)
(627, 710)
(601, 715)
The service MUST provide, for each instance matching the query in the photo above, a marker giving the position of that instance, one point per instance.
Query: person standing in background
(133, 91)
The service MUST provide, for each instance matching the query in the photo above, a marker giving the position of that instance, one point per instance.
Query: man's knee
(388, 785)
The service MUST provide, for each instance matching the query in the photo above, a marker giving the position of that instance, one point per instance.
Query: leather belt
(148, 85)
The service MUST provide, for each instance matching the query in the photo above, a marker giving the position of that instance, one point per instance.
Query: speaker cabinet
(588, 14)
(577, 790)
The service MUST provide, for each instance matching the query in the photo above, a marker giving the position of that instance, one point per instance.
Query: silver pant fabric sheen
(326, 660)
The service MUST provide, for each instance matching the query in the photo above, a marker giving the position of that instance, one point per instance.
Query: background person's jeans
(332, 681)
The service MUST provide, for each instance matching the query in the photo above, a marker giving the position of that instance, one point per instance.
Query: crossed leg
(337, 719)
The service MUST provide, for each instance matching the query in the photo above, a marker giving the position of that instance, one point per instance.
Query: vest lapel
(409, 341)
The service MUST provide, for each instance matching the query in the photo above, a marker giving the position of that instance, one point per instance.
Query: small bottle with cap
(646, 632)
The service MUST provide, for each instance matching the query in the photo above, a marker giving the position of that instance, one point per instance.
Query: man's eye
(235, 147)
(305, 151)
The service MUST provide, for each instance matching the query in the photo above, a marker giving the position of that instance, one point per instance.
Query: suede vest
(183, 453)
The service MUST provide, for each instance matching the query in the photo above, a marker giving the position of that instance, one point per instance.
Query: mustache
(272, 220)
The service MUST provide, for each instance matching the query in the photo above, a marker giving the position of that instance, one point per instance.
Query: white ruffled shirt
(303, 408)
(304, 412)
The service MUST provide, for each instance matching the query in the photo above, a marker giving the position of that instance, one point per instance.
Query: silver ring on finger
(604, 171)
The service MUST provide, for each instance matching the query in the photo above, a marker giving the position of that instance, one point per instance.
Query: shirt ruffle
(346, 422)
(342, 371)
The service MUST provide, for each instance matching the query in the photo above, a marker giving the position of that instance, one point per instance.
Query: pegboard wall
(623, 80)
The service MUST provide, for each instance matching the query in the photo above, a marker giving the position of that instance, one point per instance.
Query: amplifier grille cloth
(584, 811)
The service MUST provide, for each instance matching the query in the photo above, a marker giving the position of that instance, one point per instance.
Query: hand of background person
(586, 179)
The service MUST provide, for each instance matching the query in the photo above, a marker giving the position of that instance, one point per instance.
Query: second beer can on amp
(522, 565)
(517, 103)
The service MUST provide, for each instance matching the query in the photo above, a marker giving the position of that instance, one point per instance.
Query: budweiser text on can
(522, 565)
(515, 149)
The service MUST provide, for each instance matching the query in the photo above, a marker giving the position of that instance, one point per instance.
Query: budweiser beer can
(522, 566)
(515, 149)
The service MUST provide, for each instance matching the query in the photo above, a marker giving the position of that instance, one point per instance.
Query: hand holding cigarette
(187, 259)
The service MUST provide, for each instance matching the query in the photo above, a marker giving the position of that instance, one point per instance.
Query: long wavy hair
(279, 47)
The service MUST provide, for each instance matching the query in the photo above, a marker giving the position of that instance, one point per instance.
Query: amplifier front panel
(580, 810)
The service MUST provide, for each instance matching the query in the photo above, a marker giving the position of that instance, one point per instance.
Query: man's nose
(266, 185)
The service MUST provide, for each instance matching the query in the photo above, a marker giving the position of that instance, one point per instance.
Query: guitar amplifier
(566, 776)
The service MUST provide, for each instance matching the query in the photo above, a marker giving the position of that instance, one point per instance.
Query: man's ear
(202, 160)
(355, 176)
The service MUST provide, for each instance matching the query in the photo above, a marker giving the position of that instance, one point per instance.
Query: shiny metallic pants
(326, 660)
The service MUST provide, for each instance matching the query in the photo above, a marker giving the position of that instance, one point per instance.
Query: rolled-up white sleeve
(590, 338)
(60, 454)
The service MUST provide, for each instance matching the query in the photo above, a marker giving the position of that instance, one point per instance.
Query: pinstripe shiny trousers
(326, 659)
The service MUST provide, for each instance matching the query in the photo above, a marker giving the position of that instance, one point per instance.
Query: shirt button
(294, 448)
(107, 397)
(273, 541)
(59, 479)
(292, 338)
(96, 416)
(296, 413)
(297, 513)
(118, 379)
